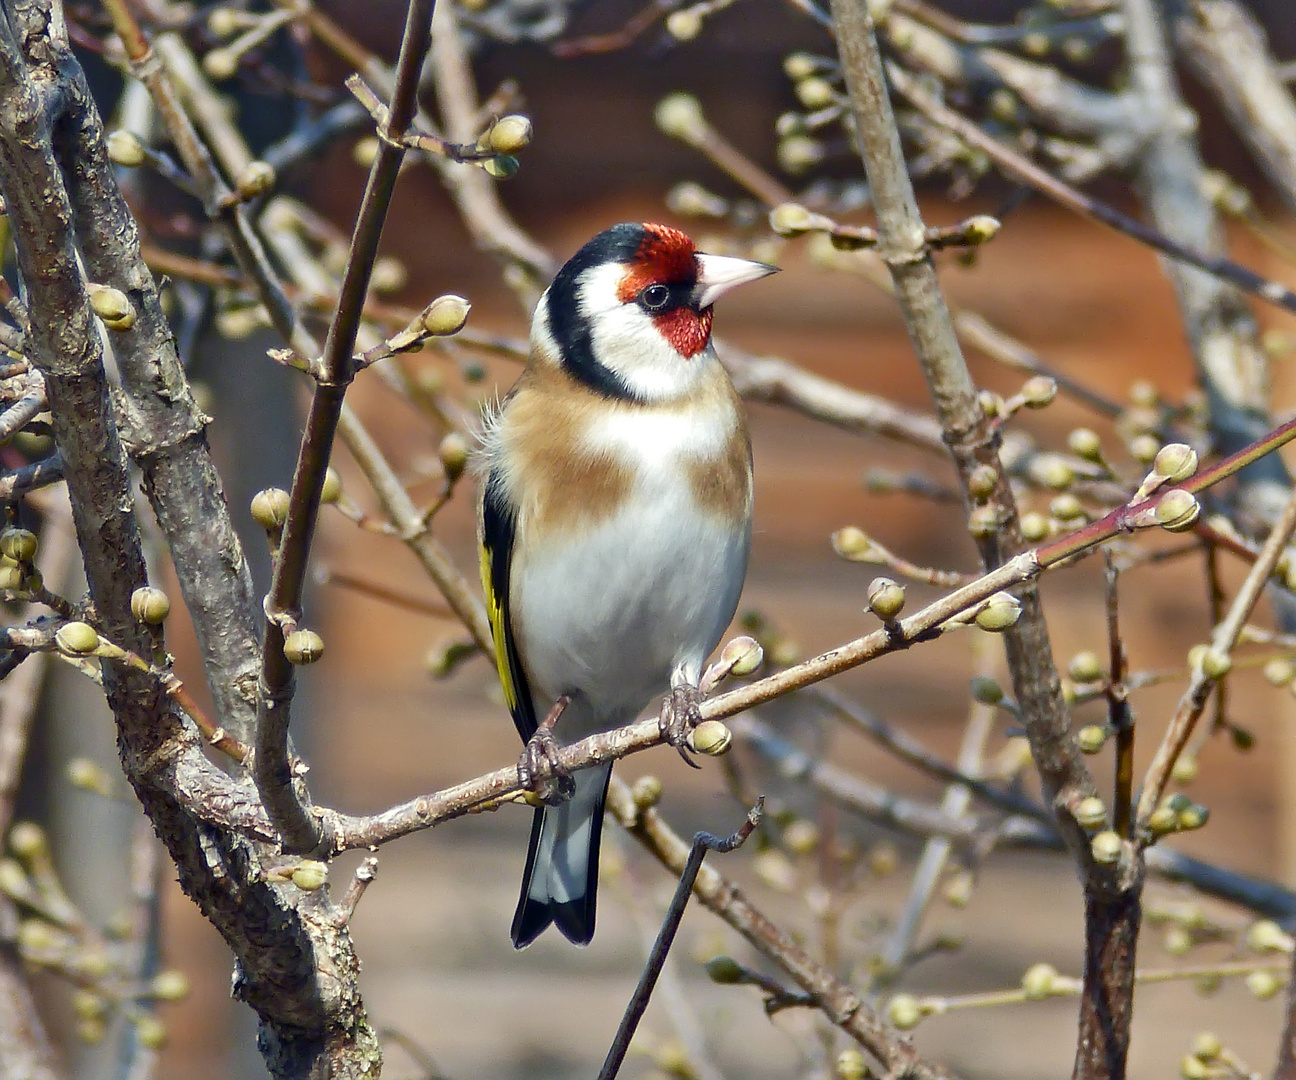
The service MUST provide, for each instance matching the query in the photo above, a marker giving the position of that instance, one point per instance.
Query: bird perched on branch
(614, 521)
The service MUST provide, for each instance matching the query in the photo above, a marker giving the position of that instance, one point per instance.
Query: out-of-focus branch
(1227, 50)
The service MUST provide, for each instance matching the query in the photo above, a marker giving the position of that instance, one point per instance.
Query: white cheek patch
(627, 343)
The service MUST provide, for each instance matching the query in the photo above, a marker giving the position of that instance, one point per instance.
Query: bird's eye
(655, 297)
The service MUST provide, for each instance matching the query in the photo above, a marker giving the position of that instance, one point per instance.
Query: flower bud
(886, 598)
(1144, 394)
(331, 491)
(1091, 812)
(77, 638)
(999, 613)
(711, 737)
(1215, 663)
(801, 837)
(388, 275)
(1176, 462)
(791, 219)
(1067, 507)
(27, 840)
(303, 647)
(169, 986)
(797, 66)
(13, 879)
(511, 133)
(1184, 770)
(1085, 667)
(982, 481)
(89, 776)
(851, 543)
(815, 92)
(693, 200)
(1092, 738)
(151, 1032)
(501, 166)
(1163, 820)
(1266, 936)
(1177, 510)
(446, 315)
(1105, 847)
(270, 508)
(904, 1012)
(1191, 1067)
(957, 890)
(19, 545)
(1085, 444)
(850, 1065)
(680, 116)
(220, 64)
(1053, 471)
(685, 24)
(364, 151)
(984, 521)
(1193, 816)
(454, 452)
(112, 306)
(309, 875)
(1144, 448)
(1279, 672)
(775, 870)
(125, 149)
(1039, 981)
(256, 179)
(1263, 984)
(646, 792)
(742, 655)
(724, 970)
(986, 690)
(150, 605)
(1034, 527)
(1206, 1046)
(1039, 390)
(223, 22)
(981, 229)
(88, 1005)
(799, 153)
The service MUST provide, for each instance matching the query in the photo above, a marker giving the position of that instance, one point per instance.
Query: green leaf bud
(270, 508)
(1177, 510)
(77, 638)
(1105, 847)
(1039, 982)
(303, 647)
(150, 605)
(511, 133)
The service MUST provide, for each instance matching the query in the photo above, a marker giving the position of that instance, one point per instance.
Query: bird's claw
(681, 713)
(540, 771)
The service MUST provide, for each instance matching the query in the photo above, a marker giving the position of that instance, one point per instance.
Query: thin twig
(702, 843)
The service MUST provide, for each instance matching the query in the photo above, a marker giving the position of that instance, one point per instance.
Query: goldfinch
(614, 522)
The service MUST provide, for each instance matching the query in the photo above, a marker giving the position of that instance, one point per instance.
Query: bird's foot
(539, 770)
(681, 712)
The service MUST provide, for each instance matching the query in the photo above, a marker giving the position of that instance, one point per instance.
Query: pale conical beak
(717, 274)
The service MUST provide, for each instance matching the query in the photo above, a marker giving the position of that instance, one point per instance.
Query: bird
(614, 525)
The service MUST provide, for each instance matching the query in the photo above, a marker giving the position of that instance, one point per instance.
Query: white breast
(617, 610)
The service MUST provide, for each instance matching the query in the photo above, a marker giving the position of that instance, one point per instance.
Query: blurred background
(377, 727)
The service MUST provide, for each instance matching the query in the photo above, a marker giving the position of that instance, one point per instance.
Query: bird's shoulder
(569, 456)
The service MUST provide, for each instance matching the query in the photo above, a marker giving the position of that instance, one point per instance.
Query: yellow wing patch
(499, 629)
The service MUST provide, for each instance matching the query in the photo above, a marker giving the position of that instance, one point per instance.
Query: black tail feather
(574, 918)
